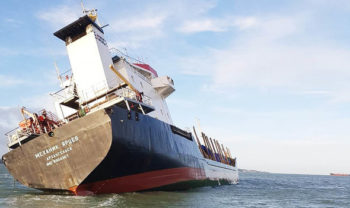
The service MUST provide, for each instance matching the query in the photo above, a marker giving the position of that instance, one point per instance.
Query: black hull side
(146, 145)
(142, 146)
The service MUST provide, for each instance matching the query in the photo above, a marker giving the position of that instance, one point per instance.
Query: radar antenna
(92, 13)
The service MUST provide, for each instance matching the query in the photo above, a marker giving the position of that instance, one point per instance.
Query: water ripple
(254, 190)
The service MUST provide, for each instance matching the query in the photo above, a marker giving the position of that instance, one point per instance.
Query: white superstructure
(94, 85)
(90, 58)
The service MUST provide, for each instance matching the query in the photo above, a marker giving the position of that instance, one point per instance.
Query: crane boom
(25, 111)
(138, 94)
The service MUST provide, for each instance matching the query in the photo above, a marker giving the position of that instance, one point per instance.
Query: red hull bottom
(139, 182)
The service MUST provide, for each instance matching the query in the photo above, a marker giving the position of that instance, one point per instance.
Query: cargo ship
(112, 131)
(339, 174)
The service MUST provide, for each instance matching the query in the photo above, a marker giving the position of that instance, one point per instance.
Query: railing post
(143, 112)
(33, 130)
(127, 104)
(19, 141)
(8, 145)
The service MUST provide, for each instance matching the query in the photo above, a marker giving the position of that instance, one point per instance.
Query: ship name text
(47, 151)
(57, 153)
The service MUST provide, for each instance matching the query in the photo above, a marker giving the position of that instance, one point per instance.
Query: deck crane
(37, 123)
(28, 123)
(138, 93)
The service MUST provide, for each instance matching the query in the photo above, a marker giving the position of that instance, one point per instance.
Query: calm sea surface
(254, 190)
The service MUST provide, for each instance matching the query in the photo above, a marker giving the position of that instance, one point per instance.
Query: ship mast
(92, 13)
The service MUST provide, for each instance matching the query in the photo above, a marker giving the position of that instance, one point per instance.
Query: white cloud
(154, 21)
(182, 9)
(12, 22)
(328, 5)
(340, 95)
(271, 55)
(10, 116)
(40, 102)
(245, 22)
(196, 64)
(288, 156)
(36, 52)
(134, 26)
(8, 81)
(278, 53)
(60, 15)
(217, 24)
(286, 141)
(136, 39)
(182, 103)
(138, 23)
(135, 30)
(202, 26)
(9, 51)
(271, 65)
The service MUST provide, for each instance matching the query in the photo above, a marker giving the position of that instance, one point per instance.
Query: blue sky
(270, 79)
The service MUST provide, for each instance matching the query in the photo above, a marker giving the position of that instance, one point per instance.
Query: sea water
(253, 190)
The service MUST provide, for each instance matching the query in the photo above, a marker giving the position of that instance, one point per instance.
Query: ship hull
(139, 153)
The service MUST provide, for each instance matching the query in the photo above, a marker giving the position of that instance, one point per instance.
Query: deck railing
(64, 93)
(129, 60)
(21, 133)
(17, 135)
(97, 92)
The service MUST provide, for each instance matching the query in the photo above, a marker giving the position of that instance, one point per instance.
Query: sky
(268, 78)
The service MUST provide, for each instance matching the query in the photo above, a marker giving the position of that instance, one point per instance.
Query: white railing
(103, 87)
(17, 135)
(122, 92)
(21, 133)
(126, 92)
(67, 84)
(64, 94)
(129, 60)
(115, 51)
(98, 89)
